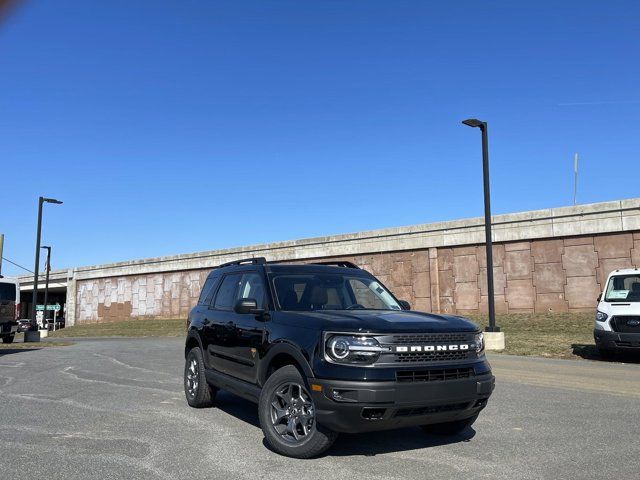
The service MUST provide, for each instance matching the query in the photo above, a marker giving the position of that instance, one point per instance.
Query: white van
(9, 308)
(617, 325)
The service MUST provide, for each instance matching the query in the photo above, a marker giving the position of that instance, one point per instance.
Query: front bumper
(370, 406)
(617, 341)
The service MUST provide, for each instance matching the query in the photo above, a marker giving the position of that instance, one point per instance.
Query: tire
(450, 428)
(294, 434)
(198, 392)
(8, 338)
(607, 354)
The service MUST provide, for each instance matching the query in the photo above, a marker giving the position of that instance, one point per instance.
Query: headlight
(600, 316)
(478, 339)
(351, 349)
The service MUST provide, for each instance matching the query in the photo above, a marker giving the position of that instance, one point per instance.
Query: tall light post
(41, 201)
(46, 281)
(472, 122)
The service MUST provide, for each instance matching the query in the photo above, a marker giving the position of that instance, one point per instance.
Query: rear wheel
(198, 392)
(287, 416)
(450, 428)
(8, 338)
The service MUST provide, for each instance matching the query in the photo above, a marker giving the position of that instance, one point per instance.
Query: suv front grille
(415, 357)
(433, 375)
(424, 348)
(620, 324)
(417, 411)
(420, 338)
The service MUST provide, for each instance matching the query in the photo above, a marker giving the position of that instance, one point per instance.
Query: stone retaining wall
(539, 275)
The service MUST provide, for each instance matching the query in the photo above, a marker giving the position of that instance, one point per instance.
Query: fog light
(344, 395)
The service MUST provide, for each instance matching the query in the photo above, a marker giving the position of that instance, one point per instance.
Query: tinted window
(207, 291)
(252, 286)
(320, 291)
(227, 292)
(364, 295)
(7, 292)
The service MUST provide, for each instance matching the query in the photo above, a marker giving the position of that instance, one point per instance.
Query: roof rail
(251, 261)
(338, 263)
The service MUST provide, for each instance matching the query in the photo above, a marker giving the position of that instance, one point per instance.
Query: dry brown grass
(126, 328)
(549, 335)
(561, 335)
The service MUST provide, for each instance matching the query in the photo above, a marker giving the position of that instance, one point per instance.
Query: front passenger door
(249, 328)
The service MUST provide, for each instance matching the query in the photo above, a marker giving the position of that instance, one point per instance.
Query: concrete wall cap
(613, 216)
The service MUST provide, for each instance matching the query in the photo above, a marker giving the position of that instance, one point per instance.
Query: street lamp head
(472, 122)
(45, 247)
(52, 200)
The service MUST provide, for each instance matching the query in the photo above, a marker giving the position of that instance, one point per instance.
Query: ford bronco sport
(326, 348)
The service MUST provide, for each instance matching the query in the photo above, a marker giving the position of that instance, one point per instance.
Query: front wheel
(198, 392)
(288, 417)
(8, 338)
(450, 428)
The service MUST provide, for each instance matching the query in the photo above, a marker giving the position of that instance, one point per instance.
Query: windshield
(319, 291)
(623, 288)
(7, 292)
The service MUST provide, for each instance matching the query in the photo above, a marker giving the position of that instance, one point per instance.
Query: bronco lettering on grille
(430, 348)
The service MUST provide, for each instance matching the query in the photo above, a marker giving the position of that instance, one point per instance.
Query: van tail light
(17, 311)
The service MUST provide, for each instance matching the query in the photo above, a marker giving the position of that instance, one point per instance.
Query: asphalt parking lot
(114, 409)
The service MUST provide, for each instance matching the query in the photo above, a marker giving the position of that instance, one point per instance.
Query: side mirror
(599, 298)
(404, 304)
(247, 306)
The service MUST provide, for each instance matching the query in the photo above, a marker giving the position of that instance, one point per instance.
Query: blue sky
(172, 127)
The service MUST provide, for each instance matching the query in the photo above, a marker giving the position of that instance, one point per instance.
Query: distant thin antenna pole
(575, 177)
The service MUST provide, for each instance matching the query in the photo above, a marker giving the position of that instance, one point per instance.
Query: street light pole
(487, 221)
(46, 282)
(34, 298)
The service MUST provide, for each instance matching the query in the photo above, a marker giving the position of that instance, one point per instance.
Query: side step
(238, 387)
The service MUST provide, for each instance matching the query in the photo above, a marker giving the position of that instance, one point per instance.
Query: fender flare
(192, 334)
(289, 349)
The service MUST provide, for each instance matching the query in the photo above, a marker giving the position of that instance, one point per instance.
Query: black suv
(326, 348)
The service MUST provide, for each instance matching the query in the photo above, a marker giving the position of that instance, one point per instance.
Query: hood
(619, 308)
(377, 321)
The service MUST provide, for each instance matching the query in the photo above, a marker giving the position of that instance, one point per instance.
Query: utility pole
(34, 297)
(575, 177)
(472, 122)
(46, 282)
(493, 337)
(34, 335)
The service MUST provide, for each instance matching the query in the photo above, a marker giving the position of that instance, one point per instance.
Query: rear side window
(7, 292)
(207, 291)
(227, 292)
